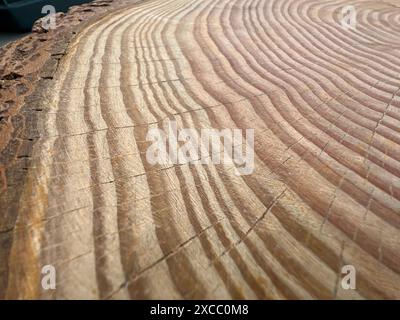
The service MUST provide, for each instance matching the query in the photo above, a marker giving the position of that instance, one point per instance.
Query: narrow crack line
(164, 257)
(252, 227)
(335, 194)
(375, 130)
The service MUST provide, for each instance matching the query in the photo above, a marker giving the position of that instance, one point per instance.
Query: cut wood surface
(324, 102)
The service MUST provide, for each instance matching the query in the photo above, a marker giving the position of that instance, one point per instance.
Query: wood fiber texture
(325, 192)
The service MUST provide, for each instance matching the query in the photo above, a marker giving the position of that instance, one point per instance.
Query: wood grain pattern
(324, 103)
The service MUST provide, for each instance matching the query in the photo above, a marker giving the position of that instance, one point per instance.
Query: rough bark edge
(27, 67)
